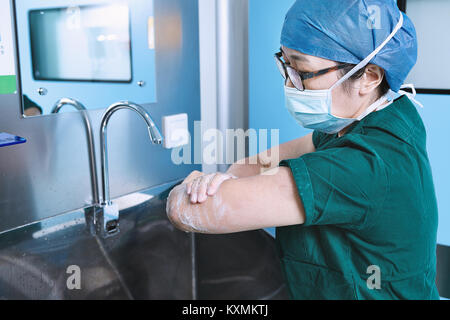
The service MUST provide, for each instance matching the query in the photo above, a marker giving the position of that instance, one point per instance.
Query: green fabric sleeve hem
(304, 186)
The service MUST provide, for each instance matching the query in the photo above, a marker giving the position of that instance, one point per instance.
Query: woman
(353, 202)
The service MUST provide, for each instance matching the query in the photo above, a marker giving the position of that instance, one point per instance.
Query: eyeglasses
(297, 77)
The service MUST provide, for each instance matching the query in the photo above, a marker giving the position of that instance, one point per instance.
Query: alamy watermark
(374, 20)
(74, 280)
(374, 281)
(213, 146)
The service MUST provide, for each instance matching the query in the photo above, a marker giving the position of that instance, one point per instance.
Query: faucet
(67, 101)
(90, 137)
(109, 219)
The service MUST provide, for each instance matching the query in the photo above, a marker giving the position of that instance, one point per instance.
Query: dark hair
(383, 88)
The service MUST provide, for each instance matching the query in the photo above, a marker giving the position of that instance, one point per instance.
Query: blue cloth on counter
(7, 139)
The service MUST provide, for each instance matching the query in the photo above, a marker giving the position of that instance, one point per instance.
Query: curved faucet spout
(90, 139)
(154, 133)
(67, 101)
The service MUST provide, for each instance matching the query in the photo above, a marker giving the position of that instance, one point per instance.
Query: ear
(371, 80)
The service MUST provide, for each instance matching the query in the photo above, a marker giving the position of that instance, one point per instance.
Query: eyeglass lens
(288, 72)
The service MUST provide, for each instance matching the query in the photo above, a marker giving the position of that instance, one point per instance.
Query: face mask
(312, 108)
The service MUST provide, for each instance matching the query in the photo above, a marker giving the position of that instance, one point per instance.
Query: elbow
(170, 209)
(173, 207)
(181, 212)
(172, 215)
(207, 218)
(175, 218)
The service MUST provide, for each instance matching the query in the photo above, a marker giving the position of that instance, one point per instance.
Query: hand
(200, 187)
(194, 175)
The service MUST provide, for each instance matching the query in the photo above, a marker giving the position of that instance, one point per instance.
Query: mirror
(95, 52)
(89, 43)
(427, 74)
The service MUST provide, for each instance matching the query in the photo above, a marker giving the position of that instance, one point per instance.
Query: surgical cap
(350, 30)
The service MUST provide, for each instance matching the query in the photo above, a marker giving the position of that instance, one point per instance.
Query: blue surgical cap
(350, 30)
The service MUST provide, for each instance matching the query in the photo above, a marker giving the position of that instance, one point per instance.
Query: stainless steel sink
(148, 259)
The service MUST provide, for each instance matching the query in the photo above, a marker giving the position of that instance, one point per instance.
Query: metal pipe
(232, 70)
(154, 134)
(90, 138)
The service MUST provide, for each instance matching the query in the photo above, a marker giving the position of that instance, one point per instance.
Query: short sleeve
(339, 186)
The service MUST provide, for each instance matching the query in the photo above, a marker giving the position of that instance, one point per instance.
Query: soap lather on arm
(241, 204)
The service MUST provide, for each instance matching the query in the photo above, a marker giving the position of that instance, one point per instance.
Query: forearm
(207, 218)
(269, 200)
(248, 167)
(270, 159)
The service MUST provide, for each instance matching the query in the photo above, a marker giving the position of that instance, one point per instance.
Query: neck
(344, 131)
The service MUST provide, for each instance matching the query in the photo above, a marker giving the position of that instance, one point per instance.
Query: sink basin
(147, 259)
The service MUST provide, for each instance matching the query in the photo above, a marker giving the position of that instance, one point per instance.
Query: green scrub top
(371, 213)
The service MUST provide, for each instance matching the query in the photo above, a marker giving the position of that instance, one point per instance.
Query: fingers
(189, 187)
(215, 183)
(202, 188)
(206, 185)
(194, 189)
(194, 175)
(190, 180)
(199, 187)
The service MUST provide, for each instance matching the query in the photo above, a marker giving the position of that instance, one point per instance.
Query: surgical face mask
(312, 108)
